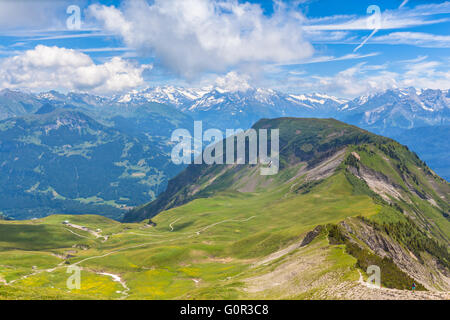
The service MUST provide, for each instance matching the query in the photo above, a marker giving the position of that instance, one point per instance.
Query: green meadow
(204, 249)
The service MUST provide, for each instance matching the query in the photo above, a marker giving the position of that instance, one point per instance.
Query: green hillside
(344, 199)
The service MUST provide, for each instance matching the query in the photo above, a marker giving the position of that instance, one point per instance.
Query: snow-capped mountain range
(207, 98)
(400, 108)
(395, 108)
(241, 108)
(396, 113)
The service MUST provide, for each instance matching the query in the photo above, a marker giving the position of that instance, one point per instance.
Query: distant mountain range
(84, 125)
(392, 109)
(397, 108)
(397, 113)
(236, 108)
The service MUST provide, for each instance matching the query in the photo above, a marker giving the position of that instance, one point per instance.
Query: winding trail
(94, 233)
(162, 241)
(347, 290)
(37, 271)
(171, 225)
(116, 277)
(79, 235)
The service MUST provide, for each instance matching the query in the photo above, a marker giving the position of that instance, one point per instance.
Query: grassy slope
(166, 262)
(212, 247)
(301, 141)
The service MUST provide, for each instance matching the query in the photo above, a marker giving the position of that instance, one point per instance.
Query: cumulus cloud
(194, 36)
(356, 80)
(233, 81)
(53, 67)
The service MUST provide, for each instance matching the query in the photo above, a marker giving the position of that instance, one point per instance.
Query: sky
(345, 48)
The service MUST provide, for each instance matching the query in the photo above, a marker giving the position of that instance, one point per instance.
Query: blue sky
(344, 48)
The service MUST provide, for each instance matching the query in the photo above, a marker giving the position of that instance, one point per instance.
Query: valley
(65, 160)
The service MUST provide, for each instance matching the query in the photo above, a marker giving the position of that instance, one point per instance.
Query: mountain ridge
(299, 144)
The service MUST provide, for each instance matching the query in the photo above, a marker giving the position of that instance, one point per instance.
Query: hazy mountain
(389, 113)
(63, 161)
(398, 109)
(431, 143)
(224, 108)
(417, 118)
(179, 97)
(17, 103)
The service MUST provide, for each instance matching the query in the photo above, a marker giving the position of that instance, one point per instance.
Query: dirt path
(94, 233)
(162, 241)
(117, 278)
(35, 272)
(306, 272)
(171, 225)
(78, 235)
(358, 291)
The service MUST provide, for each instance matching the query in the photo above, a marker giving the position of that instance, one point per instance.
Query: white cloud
(365, 79)
(194, 36)
(53, 67)
(317, 36)
(419, 39)
(355, 81)
(415, 60)
(233, 81)
(389, 19)
(349, 56)
(403, 3)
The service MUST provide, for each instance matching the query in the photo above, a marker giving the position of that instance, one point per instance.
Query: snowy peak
(243, 105)
(165, 95)
(415, 100)
(316, 99)
(223, 97)
(399, 108)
